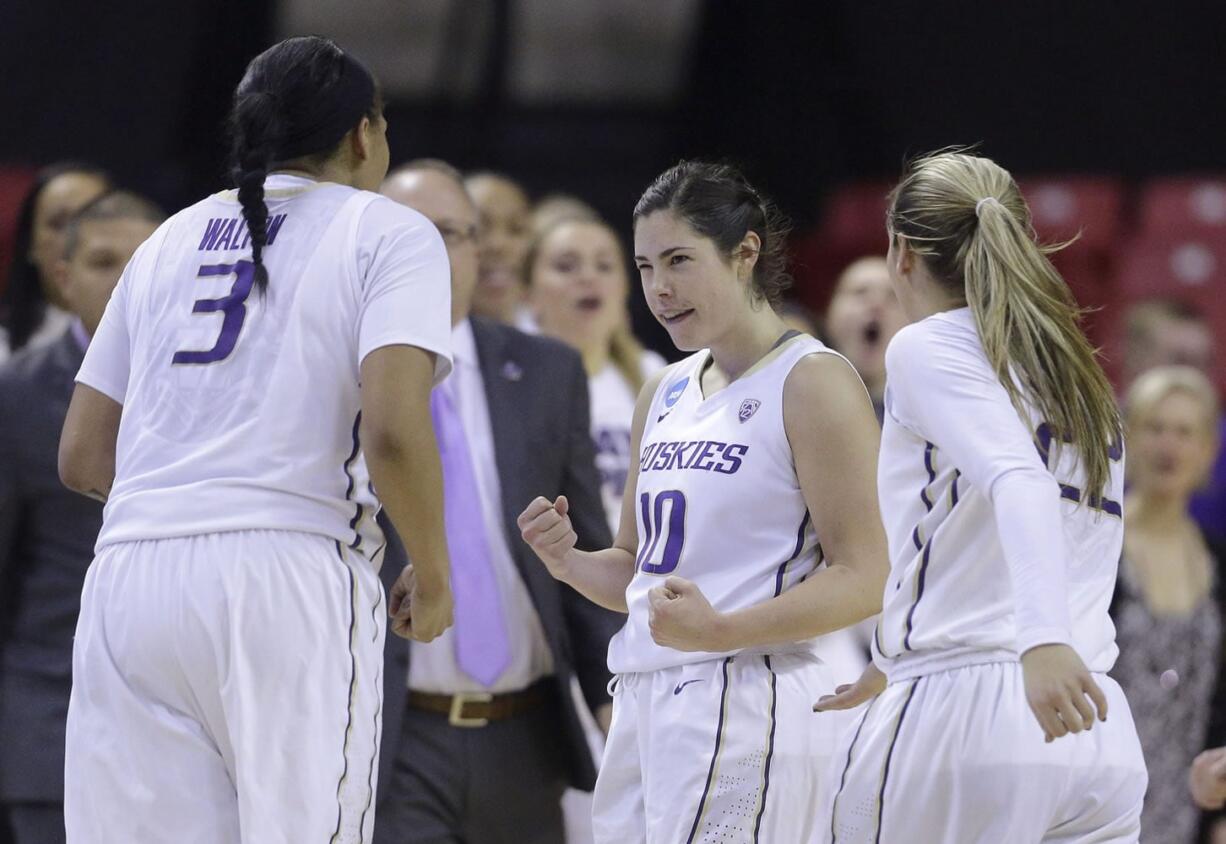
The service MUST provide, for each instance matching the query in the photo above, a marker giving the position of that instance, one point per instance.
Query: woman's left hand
(681, 617)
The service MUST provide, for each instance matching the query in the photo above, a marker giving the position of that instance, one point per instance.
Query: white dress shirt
(433, 666)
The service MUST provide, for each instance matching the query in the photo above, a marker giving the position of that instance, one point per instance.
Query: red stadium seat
(1191, 268)
(852, 226)
(1181, 206)
(855, 217)
(15, 181)
(1086, 207)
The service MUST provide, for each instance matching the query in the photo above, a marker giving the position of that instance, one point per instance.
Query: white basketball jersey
(950, 432)
(241, 410)
(718, 501)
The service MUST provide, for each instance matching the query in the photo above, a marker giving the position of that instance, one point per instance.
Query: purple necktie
(481, 647)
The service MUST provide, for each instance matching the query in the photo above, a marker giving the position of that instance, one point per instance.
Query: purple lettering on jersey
(679, 455)
(732, 459)
(664, 455)
(233, 307)
(697, 448)
(223, 242)
(274, 226)
(246, 239)
(648, 528)
(649, 454)
(704, 454)
(211, 231)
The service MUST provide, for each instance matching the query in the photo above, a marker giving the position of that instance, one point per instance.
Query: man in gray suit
(488, 735)
(47, 532)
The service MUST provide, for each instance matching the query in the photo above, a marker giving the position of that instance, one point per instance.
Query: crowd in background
(554, 269)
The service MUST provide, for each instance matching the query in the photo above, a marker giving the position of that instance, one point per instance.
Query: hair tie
(979, 205)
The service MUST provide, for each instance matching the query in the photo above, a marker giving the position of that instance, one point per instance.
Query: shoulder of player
(933, 342)
(380, 216)
(820, 376)
(823, 387)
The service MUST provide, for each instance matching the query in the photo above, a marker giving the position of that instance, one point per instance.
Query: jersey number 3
(663, 531)
(233, 308)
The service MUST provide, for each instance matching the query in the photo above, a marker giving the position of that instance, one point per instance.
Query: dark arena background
(1111, 116)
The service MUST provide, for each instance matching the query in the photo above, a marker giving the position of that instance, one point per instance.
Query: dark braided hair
(718, 202)
(296, 102)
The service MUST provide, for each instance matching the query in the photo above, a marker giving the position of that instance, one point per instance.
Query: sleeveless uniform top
(718, 501)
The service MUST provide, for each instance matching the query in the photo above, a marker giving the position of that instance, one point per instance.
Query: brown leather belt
(476, 709)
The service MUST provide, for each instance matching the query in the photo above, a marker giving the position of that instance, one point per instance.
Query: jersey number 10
(663, 531)
(233, 307)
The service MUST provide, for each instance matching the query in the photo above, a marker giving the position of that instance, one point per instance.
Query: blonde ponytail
(965, 216)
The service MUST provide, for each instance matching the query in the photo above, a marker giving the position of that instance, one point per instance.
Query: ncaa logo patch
(674, 392)
(748, 408)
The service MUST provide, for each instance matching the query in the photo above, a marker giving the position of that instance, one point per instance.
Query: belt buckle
(457, 719)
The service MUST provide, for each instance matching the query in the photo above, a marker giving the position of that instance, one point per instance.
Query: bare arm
(87, 443)
(834, 437)
(600, 576)
(402, 453)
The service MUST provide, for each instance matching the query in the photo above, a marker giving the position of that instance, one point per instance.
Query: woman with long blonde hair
(1168, 607)
(1001, 479)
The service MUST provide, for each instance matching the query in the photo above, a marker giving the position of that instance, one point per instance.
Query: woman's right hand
(546, 527)
(418, 613)
(1062, 695)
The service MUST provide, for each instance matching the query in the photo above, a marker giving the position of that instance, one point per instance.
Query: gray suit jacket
(538, 403)
(47, 536)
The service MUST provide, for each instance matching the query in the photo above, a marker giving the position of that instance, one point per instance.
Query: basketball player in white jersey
(261, 348)
(755, 466)
(1001, 480)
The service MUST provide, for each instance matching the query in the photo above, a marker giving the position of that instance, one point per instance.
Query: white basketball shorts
(727, 750)
(226, 688)
(957, 756)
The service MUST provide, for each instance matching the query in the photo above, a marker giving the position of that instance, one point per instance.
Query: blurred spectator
(862, 318)
(506, 233)
(1168, 332)
(556, 207)
(482, 752)
(32, 309)
(1168, 603)
(47, 533)
(578, 286)
(1165, 332)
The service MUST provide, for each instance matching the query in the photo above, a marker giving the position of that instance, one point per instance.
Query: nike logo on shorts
(681, 686)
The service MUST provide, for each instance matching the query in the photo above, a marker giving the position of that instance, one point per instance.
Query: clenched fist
(546, 527)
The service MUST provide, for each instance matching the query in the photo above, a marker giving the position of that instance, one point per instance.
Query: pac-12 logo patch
(748, 408)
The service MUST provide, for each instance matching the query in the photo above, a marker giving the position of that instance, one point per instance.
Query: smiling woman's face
(691, 288)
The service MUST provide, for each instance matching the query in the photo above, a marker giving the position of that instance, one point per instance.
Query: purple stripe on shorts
(885, 776)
